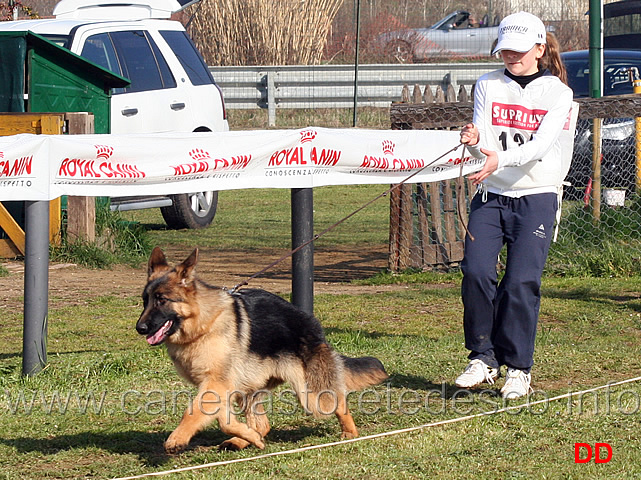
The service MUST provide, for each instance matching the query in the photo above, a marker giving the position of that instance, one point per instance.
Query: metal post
(36, 285)
(596, 170)
(596, 91)
(303, 260)
(271, 99)
(358, 34)
(596, 48)
(636, 88)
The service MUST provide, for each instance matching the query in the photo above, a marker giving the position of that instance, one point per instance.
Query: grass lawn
(104, 405)
(107, 401)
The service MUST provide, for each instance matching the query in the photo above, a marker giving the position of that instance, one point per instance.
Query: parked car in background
(621, 26)
(171, 87)
(618, 165)
(453, 35)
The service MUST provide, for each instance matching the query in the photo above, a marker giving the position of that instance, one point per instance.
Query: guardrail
(332, 86)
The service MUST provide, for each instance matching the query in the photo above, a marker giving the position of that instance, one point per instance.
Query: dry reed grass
(263, 32)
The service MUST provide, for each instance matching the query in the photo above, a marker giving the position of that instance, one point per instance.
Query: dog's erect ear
(186, 270)
(157, 263)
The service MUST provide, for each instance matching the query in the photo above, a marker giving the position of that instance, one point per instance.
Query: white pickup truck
(171, 87)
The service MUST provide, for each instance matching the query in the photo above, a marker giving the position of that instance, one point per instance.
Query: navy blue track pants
(500, 319)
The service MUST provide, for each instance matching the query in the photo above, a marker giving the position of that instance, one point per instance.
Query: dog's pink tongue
(159, 336)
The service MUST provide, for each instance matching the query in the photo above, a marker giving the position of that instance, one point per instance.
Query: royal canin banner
(44, 167)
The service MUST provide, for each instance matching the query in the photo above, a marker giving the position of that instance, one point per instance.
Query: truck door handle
(177, 106)
(129, 112)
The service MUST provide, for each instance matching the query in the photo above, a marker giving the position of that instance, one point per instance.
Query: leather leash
(331, 227)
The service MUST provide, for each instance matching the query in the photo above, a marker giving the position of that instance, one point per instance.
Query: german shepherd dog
(236, 347)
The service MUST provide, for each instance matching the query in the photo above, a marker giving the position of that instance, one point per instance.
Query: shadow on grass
(148, 446)
(443, 390)
(7, 356)
(587, 294)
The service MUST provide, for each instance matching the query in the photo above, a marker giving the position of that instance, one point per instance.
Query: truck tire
(191, 210)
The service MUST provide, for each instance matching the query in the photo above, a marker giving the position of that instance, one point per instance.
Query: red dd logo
(583, 452)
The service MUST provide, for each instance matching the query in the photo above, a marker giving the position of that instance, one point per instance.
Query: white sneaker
(517, 384)
(477, 372)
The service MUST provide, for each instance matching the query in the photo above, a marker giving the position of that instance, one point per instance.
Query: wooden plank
(8, 249)
(461, 202)
(416, 256)
(35, 123)
(417, 96)
(440, 256)
(17, 123)
(435, 208)
(431, 254)
(449, 213)
(406, 227)
(51, 124)
(55, 221)
(394, 225)
(455, 251)
(423, 221)
(81, 219)
(11, 228)
(79, 122)
(81, 211)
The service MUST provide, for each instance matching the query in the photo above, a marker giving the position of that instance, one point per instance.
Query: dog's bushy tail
(363, 372)
(329, 377)
(324, 367)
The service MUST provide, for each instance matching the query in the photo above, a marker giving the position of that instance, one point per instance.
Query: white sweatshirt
(530, 128)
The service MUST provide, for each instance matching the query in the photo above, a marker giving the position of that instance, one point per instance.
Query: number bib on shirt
(512, 118)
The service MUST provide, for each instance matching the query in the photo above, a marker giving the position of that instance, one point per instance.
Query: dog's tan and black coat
(236, 347)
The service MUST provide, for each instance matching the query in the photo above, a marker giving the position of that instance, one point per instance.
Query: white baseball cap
(520, 32)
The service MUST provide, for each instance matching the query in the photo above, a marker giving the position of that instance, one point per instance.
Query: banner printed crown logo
(388, 147)
(307, 136)
(104, 151)
(199, 154)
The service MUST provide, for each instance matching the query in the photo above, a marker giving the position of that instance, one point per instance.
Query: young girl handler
(519, 116)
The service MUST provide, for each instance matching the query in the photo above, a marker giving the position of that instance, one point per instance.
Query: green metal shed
(37, 75)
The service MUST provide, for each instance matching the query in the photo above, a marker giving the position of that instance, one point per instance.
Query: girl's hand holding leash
(470, 136)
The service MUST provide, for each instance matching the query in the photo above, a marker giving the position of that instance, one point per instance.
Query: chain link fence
(600, 229)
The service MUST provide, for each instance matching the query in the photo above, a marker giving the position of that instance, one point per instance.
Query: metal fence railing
(332, 86)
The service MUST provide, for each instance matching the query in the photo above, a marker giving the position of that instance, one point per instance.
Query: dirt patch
(333, 270)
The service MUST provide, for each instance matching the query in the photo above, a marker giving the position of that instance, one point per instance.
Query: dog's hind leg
(256, 417)
(207, 406)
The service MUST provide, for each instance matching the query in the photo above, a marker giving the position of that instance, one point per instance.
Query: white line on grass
(377, 435)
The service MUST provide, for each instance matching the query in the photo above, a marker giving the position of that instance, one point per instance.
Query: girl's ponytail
(551, 59)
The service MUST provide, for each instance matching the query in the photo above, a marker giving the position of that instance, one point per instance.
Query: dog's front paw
(235, 443)
(260, 444)
(349, 435)
(174, 444)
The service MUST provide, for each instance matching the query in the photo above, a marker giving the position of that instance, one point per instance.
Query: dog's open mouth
(159, 336)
